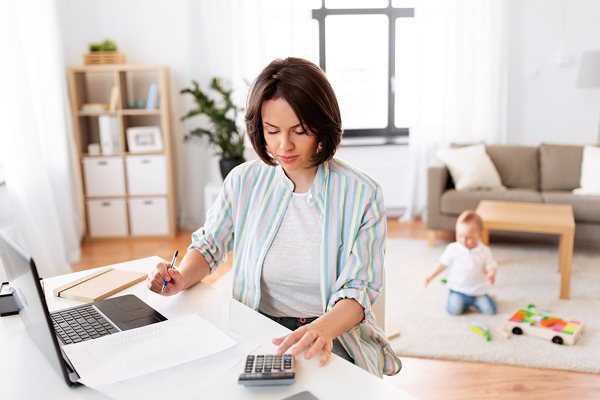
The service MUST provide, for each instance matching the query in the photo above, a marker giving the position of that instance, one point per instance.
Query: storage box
(107, 218)
(146, 175)
(103, 176)
(149, 216)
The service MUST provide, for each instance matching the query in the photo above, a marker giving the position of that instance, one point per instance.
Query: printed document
(185, 381)
(137, 352)
(212, 305)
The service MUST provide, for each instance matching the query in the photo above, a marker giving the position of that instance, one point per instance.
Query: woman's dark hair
(304, 86)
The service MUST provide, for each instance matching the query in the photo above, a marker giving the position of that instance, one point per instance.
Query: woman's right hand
(162, 273)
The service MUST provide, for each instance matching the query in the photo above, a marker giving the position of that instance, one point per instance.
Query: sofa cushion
(589, 182)
(454, 202)
(518, 166)
(560, 166)
(585, 208)
(471, 168)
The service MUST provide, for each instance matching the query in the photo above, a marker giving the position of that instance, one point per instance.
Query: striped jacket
(247, 214)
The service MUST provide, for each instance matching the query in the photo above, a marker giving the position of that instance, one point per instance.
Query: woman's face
(287, 140)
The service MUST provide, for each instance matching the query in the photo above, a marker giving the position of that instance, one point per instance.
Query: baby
(471, 264)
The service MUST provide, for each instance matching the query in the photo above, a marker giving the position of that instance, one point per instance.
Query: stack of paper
(188, 352)
(137, 352)
(185, 381)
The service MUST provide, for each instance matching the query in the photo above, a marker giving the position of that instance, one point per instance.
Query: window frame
(390, 131)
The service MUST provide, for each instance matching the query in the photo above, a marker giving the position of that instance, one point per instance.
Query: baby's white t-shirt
(468, 268)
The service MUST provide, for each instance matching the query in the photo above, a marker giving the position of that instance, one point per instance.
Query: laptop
(52, 331)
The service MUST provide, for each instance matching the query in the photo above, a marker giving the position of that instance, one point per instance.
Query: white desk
(25, 373)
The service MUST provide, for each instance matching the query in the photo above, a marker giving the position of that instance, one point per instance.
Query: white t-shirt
(468, 268)
(290, 282)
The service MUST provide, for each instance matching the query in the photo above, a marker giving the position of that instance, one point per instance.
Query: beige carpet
(527, 274)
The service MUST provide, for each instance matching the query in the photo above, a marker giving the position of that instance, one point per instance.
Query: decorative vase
(227, 164)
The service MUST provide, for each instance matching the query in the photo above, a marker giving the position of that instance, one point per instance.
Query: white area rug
(527, 274)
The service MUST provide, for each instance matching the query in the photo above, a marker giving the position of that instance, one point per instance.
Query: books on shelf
(109, 134)
(152, 97)
(114, 98)
(94, 107)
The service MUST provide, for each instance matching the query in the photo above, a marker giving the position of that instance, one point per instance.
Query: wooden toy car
(543, 325)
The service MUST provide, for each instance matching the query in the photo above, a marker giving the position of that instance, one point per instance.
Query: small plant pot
(103, 57)
(227, 164)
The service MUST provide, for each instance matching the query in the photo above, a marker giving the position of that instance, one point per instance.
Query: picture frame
(144, 139)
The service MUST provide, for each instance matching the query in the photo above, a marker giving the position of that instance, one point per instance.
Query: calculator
(268, 369)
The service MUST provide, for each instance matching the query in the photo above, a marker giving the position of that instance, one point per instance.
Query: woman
(306, 229)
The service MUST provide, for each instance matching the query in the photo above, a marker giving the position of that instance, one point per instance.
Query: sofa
(544, 174)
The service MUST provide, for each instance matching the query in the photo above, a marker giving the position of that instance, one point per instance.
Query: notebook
(99, 285)
(51, 331)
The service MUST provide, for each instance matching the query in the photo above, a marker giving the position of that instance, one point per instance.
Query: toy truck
(543, 325)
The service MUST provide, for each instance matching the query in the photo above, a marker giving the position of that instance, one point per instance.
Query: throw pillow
(590, 181)
(471, 168)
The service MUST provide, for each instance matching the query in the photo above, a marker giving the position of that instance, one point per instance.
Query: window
(365, 48)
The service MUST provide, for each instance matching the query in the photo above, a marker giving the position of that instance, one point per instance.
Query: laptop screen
(29, 296)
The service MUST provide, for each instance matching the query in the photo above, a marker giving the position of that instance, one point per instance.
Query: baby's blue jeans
(459, 302)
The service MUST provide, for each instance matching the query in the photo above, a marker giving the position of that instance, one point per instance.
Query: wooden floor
(423, 378)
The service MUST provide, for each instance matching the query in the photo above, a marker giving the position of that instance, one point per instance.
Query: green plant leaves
(107, 45)
(224, 135)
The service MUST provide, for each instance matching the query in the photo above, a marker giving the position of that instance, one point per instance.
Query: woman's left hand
(312, 337)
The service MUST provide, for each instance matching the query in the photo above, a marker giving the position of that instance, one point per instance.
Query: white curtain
(236, 39)
(36, 136)
(462, 83)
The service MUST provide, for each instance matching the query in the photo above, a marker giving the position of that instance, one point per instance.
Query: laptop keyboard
(79, 324)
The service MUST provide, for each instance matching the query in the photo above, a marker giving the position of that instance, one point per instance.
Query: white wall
(152, 32)
(547, 38)
(544, 105)
(389, 166)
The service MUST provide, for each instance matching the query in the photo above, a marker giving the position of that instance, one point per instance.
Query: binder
(109, 134)
(99, 285)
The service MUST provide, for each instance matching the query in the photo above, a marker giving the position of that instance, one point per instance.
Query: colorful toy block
(543, 309)
(537, 318)
(533, 307)
(570, 328)
(477, 330)
(482, 327)
(547, 323)
(558, 327)
(518, 317)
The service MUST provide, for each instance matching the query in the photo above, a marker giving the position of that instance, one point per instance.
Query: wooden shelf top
(117, 67)
(149, 153)
(137, 111)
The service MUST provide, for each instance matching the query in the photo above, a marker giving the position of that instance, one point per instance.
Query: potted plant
(224, 135)
(105, 52)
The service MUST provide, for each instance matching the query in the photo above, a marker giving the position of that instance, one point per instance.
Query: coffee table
(534, 217)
